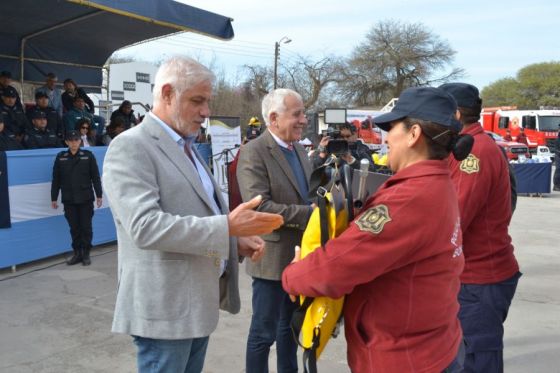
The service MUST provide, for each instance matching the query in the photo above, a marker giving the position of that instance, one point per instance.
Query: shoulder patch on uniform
(470, 165)
(374, 219)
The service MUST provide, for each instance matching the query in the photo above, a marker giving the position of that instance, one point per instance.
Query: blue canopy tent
(74, 38)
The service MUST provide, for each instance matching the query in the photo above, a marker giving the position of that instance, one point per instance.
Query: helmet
(254, 121)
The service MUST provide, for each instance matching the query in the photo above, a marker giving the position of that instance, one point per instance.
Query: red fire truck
(541, 126)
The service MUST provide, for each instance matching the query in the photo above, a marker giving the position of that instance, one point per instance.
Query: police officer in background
(6, 85)
(491, 272)
(54, 121)
(39, 136)
(14, 117)
(75, 171)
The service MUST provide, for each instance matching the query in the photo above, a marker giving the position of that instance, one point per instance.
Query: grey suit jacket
(263, 169)
(170, 241)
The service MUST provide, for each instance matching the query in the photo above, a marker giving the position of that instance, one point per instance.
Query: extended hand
(297, 258)
(348, 158)
(243, 221)
(252, 247)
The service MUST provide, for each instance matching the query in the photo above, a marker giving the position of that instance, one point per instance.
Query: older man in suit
(178, 246)
(276, 166)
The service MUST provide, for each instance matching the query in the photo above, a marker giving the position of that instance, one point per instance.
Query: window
(503, 122)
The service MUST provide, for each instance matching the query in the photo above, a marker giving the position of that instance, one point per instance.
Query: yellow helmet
(254, 121)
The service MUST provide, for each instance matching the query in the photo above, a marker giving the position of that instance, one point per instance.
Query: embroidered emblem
(470, 165)
(374, 219)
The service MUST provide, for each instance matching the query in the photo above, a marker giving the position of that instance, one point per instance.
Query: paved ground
(57, 319)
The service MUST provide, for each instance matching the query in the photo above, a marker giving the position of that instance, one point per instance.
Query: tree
(504, 92)
(307, 77)
(311, 78)
(535, 85)
(393, 57)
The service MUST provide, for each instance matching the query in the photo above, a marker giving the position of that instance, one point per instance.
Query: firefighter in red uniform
(491, 271)
(399, 261)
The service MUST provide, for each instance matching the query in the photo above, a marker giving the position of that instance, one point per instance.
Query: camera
(337, 145)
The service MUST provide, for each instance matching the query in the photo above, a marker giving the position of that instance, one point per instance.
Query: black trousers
(79, 218)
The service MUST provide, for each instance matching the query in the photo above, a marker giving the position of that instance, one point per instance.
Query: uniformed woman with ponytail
(399, 261)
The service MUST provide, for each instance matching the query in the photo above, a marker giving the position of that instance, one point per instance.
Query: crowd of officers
(55, 113)
(59, 119)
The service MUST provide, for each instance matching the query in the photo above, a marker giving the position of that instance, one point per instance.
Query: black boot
(75, 259)
(85, 257)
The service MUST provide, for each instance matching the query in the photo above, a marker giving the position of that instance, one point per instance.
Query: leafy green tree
(539, 85)
(503, 92)
(535, 85)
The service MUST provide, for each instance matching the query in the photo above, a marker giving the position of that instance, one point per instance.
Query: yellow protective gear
(254, 121)
(380, 161)
(323, 314)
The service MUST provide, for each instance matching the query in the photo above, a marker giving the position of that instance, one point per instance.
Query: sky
(493, 39)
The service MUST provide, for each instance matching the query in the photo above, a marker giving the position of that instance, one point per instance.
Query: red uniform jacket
(483, 188)
(399, 263)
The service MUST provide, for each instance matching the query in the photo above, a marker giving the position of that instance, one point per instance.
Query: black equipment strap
(323, 216)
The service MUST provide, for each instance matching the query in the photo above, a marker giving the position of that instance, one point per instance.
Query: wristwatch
(321, 149)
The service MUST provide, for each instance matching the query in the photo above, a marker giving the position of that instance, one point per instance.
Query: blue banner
(4, 197)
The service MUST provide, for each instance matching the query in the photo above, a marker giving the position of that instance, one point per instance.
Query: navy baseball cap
(40, 94)
(426, 103)
(466, 95)
(38, 114)
(9, 91)
(72, 135)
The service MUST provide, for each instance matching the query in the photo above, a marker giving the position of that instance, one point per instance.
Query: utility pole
(276, 55)
(284, 40)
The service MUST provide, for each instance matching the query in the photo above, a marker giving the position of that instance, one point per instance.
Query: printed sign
(117, 95)
(142, 78)
(225, 134)
(129, 86)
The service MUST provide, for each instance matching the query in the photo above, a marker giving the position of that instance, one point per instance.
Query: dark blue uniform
(54, 122)
(37, 139)
(11, 89)
(74, 175)
(8, 142)
(14, 119)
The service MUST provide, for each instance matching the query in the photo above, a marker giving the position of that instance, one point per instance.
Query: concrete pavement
(58, 319)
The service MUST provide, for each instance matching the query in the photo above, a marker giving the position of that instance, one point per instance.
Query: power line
(215, 50)
(231, 43)
(221, 46)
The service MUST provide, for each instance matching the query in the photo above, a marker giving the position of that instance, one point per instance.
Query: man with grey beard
(178, 245)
